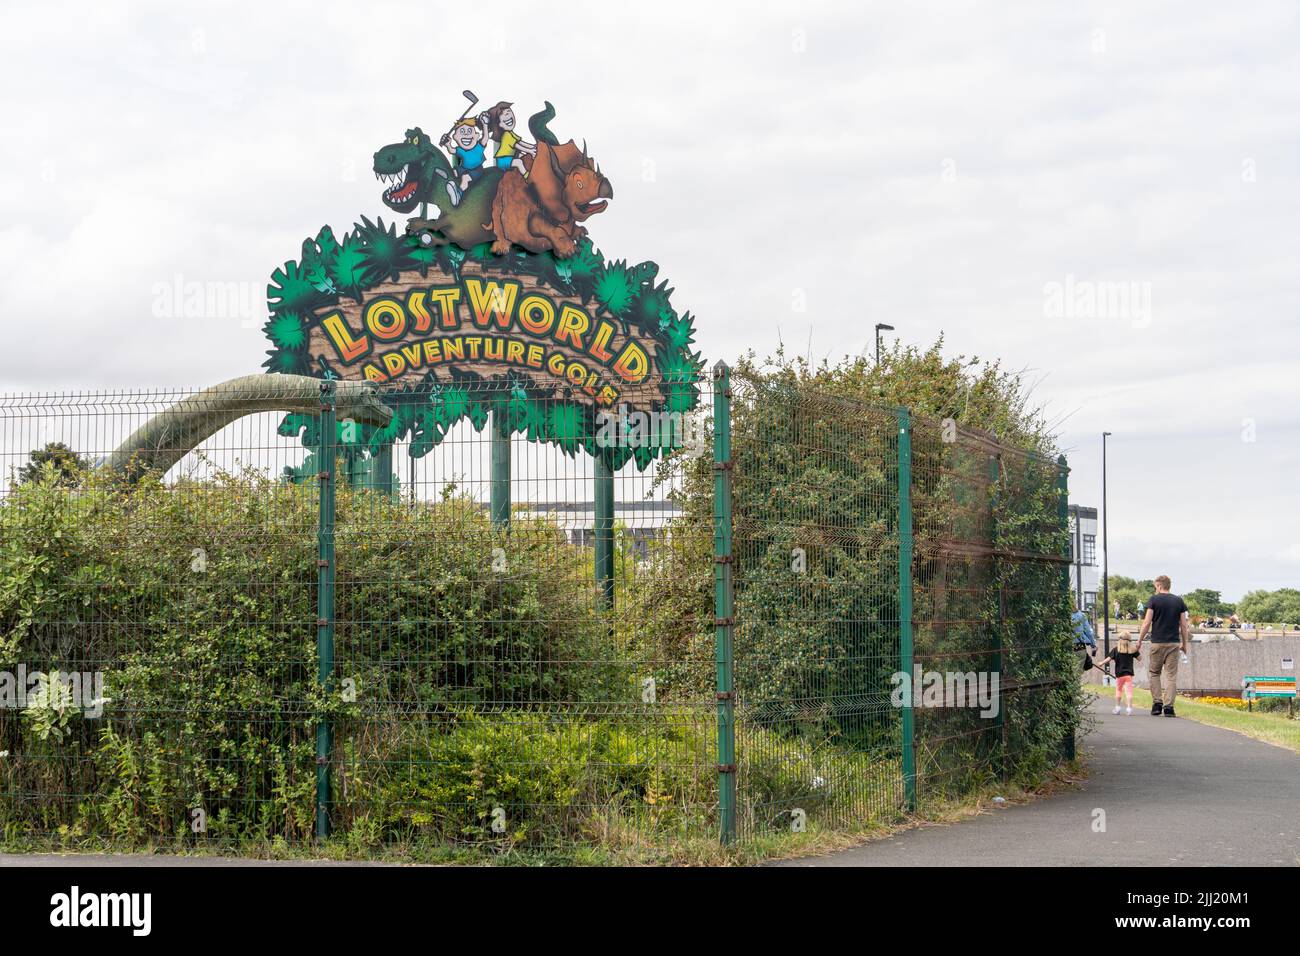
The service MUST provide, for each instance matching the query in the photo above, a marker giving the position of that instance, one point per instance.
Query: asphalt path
(1174, 792)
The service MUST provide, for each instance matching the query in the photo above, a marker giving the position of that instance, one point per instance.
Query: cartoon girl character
(468, 144)
(500, 122)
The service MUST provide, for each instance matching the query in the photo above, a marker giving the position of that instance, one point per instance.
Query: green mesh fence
(991, 597)
(817, 633)
(822, 634)
(284, 627)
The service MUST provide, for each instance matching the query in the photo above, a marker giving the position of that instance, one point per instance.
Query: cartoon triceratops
(564, 187)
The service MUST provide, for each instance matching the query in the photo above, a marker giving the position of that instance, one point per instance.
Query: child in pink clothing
(1124, 653)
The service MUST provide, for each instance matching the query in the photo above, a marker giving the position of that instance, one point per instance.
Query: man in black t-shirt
(1170, 628)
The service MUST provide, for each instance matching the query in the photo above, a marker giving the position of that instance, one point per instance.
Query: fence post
(1063, 516)
(379, 476)
(995, 475)
(723, 611)
(905, 598)
(603, 529)
(325, 599)
(500, 494)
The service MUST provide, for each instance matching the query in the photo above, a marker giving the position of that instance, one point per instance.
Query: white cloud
(794, 146)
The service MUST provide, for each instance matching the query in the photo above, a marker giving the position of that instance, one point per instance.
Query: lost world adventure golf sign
(488, 327)
(493, 298)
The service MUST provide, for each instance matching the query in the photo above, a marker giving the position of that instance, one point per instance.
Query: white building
(644, 520)
(1084, 576)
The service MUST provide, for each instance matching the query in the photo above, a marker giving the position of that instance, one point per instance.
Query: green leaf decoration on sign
(348, 272)
(383, 253)
(614, 289)
(318, 259)
(301, 293)
(653, 312)
(286, 330)
(291, 290)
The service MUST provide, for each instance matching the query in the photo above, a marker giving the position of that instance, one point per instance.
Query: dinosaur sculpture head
(416, 170)
(568, 183)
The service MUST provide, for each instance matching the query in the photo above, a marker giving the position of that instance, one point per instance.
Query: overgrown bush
(816, 570)
(472, 689)
(197, 603)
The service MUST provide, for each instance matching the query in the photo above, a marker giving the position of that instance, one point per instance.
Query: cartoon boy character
(500, 122)
(468, 144)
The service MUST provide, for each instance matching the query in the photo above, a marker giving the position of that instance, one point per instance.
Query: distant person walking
(1170, 628)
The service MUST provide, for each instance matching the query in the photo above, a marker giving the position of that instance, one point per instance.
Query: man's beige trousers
(1162, 671)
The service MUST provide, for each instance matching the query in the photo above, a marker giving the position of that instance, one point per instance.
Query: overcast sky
(800, 171)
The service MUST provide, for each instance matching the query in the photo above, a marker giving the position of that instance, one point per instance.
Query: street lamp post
(1078, 559)
(881, 327)
(1105, 552)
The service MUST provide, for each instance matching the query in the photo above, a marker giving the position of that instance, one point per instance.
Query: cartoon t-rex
(539, 213)
(417, 169)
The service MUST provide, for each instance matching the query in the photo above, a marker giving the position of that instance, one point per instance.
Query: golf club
(473, 102)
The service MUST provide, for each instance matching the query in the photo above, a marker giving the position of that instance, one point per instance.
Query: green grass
(1272, 728)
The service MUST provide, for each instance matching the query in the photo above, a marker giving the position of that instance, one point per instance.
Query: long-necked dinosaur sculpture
(172, 434)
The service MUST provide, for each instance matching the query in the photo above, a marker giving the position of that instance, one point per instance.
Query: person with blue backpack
(1085, 640)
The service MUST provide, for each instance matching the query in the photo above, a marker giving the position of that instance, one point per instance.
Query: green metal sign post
(723, 609)
(325, 600)
(603, 530)
(381, 470)
(500, 493)
(905, 598)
